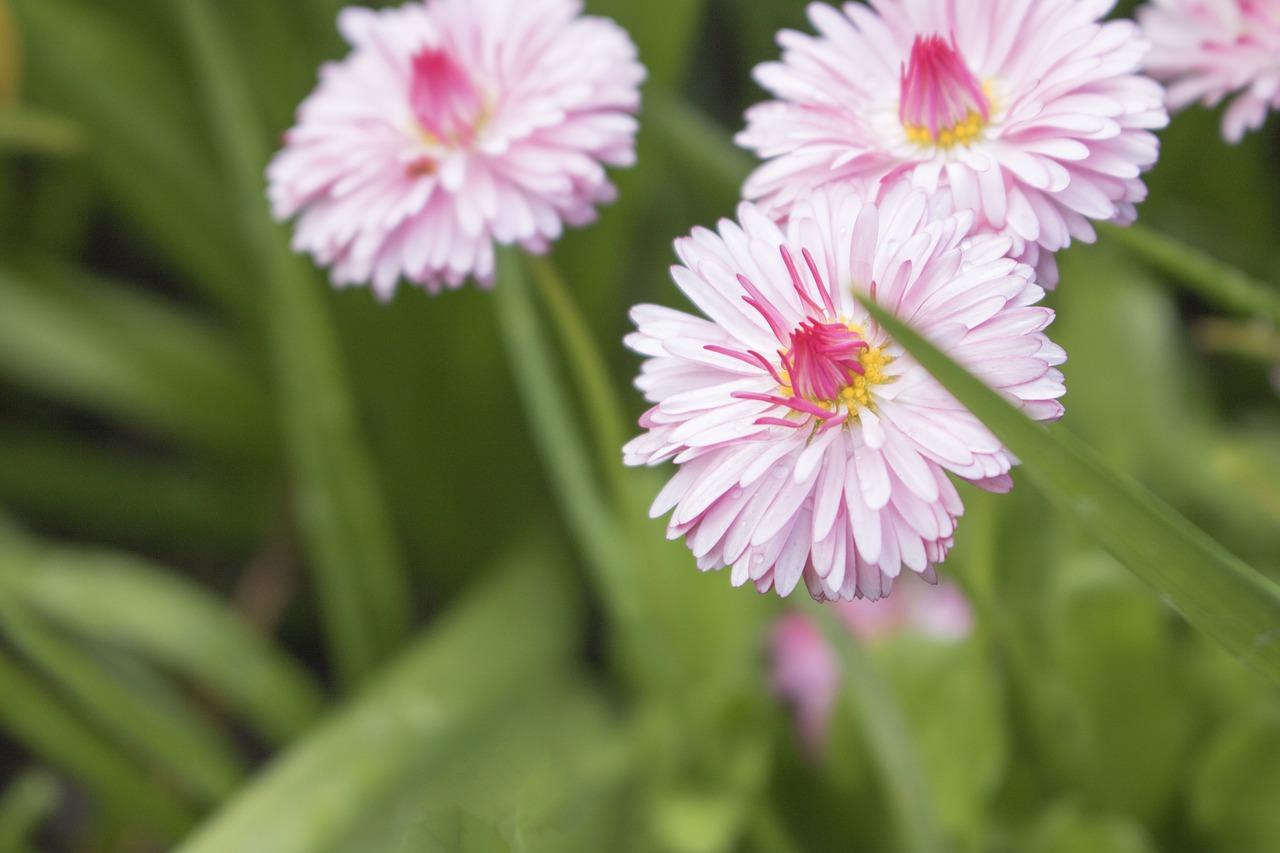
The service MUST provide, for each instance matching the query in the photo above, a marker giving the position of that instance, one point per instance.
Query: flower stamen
(941, 101)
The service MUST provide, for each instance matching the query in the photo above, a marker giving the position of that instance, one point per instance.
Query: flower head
(1206, 50)
(1029, 112)
(809, 443)
(452, 125)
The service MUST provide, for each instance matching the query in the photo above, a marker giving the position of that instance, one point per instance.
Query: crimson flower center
(447, 104)
(823, 359)
(940, 100)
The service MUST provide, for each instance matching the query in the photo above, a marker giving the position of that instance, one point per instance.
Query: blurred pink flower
(805, 674)
(1206, 50)
(809, 443)
(452, 125)
(805, 671)
(1029, 112)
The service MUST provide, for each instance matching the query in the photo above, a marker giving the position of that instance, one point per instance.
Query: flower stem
(1219, 283)
(548, 408)
(604, 409)
(888, 741)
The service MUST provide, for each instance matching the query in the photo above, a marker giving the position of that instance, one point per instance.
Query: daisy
(1206, 50)
(809, 443)
(1030, 112)
(454, 125)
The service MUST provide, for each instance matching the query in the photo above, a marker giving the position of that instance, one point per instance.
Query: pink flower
(1206, 50)
(454, 125)
(805, 671)
(1029, 112)
(810, 444)
(806, 675)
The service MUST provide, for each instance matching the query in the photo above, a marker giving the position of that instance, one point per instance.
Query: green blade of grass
(120, 352)
(31, 715)
(361, 579)
(27, 801)
(1214, 590)
(171, 734)
(515, 632)
(124, 602)
(53, 476)
(887, 740)
(142, 135)
(1221, 284)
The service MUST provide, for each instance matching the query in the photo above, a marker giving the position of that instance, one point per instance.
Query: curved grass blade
(125, 602)
(169, 733)
(1213, 589)
(111, 348)
(36, 719)
(361, 578)
(489, 652)
(146, 143)
(26, 803)
(1219, 283)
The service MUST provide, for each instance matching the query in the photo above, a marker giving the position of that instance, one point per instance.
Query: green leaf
(26, 803)
(170, 733)
(360, 574)
(146, 143)
(41, 723)
(1217, 282)
(124, 602)
(891, 744)
(1065, 829)
(1211, 588)
(1235, 791)
(485, 654)
(114, 349)
(122, 495)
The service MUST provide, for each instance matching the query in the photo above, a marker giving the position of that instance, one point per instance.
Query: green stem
(887, 739)
(1219, 283)
(360, 576)
(604, 409)
(560, 442)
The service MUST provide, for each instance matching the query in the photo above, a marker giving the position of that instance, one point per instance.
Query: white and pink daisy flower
(809, 443)
(1206, 50)
(1030, 112)
(454, 125)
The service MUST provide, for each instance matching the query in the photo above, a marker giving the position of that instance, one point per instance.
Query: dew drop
(966, 244)
(757, 558)
(735, 495)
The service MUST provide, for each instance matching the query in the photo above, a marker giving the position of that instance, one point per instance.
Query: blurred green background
(281, 568)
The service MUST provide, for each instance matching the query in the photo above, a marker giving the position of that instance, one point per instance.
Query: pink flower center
(827, 370)
(941, 101)
(444, 100)
(823, 359)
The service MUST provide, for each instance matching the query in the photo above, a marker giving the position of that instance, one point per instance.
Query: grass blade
(510, 635)
(1214, 590)
(37, 720)
(1219, 283)
(150, 611)
(111, 348)
(171, 734)
(360, 575)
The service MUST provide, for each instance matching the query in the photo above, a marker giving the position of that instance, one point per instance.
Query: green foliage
(286, 569)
